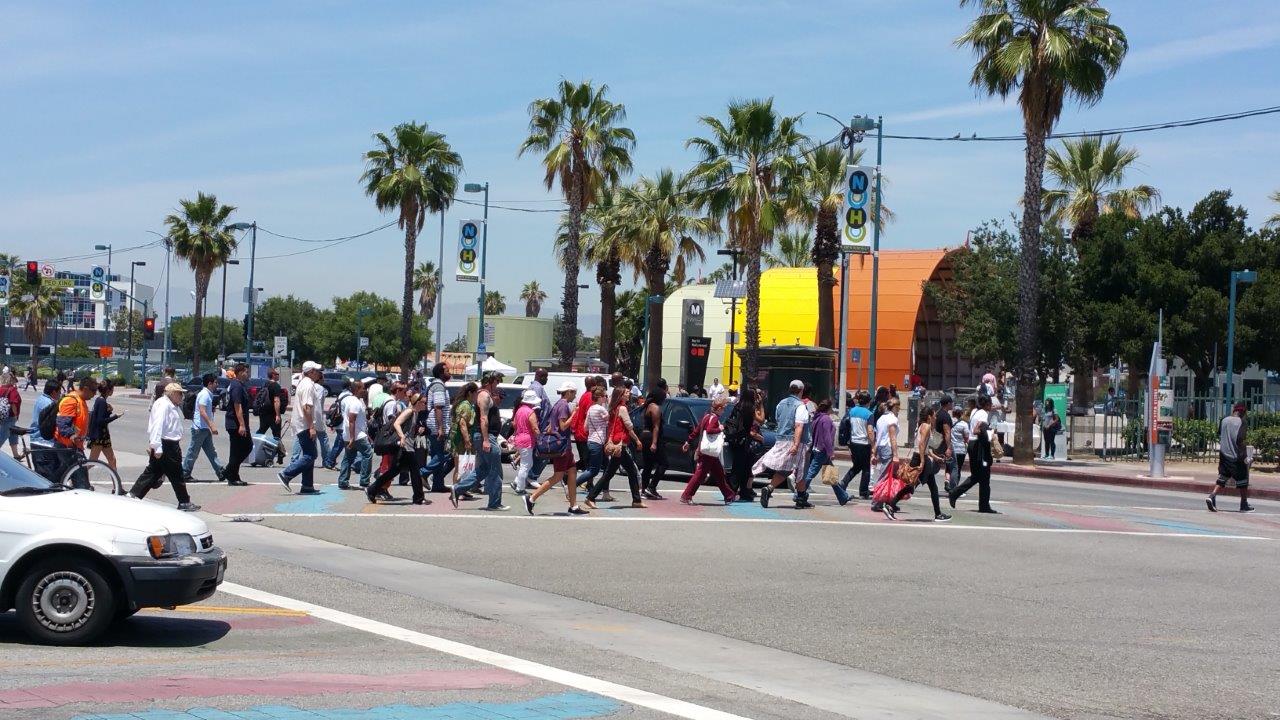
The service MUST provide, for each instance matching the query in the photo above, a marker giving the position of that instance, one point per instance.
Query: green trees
(532, 295)
(199, 234)
(584, 150)
(1049, 52)
(1089, 173)
(427, 281)
(36, 314)
(182, 330)
(794, 249)
(291, 317)
(494, 303)
(748, 162)
(413, 172)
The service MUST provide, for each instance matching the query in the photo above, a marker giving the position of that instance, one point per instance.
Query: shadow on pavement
(143, 631)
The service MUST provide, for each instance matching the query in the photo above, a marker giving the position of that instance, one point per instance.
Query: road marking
(632, 696)
(231, 610)
(859, 523)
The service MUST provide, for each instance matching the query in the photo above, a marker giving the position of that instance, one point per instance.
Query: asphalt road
(1079, 601)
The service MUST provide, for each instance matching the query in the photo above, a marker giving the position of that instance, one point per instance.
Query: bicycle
(79, 472)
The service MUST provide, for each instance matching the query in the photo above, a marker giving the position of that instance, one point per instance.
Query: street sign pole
(875, 255)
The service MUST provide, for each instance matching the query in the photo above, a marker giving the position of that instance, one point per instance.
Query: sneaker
(575, 510)
(989, 511)
(188, 479)
(237, 483)
(864, 495)
(188, 507)
(651, 494)
(500, 508)
(765, 492)
(1246, 508)
(889, 512)
(1212, 502)
(528, 504)
(284, 481)
(453, 498)
(373, 499)
(686, 501)
(385, 496)
(942, 517)
(308, 491)
(803, 505)
(515, 488)
(951, 500)
(344, 486)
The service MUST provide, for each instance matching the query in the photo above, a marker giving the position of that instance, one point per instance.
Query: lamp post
(168, 251)
(250, 293)
(360, 313)
(222, 326)
(733, 313)
(484, 251)
(129, 338)
(440, 289)
(1237, 276)
(106, 306)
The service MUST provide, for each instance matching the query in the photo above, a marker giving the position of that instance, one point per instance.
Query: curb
(1191, 486)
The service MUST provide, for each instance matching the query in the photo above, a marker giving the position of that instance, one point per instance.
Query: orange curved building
(911, 338)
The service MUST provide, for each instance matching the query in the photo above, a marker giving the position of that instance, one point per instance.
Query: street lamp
(168, 251)
(360, 338)
(222, 328)
(1237, 276)
(106, 305)
(129, 337)
(733, 312)
(484, 249)
(253, 253)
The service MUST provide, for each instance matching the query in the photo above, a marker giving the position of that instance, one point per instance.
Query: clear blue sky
(112, 112)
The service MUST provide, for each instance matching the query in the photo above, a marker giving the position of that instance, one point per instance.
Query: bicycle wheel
(93, 475)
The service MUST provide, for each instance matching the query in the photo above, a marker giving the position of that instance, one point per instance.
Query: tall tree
(1048, 51)
(1089, 173)
(43, 309)
(533, 296)
(291, 317)
(413, 172)
(1274, 220)
(427, 281)
(584, 149)
(659, 218)
(494, 303)
(198, 232)
(748, 160)
(794, 249)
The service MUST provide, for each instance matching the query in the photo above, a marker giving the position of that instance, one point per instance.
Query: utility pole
(875, 254)
(440, 289)
(1237, 276)
(484, 251)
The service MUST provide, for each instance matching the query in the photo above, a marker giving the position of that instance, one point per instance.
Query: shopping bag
(829, 475)
(466, 464)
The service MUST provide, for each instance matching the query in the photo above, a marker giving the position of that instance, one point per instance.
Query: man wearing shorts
(1233, 463)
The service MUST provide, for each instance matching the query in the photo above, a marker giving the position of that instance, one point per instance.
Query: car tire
(65, 601)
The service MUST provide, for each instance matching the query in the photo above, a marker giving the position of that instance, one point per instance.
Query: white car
(73, 562)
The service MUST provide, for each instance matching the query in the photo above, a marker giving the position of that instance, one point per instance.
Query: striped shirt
(438, 397)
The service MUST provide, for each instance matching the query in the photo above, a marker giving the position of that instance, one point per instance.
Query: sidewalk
(1198, 477)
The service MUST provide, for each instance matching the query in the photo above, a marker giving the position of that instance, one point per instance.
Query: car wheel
(65, 601)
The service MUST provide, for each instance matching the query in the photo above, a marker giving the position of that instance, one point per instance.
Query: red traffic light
(149, 329)
(33, 272)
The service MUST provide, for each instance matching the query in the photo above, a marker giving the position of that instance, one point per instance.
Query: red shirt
(579, 420)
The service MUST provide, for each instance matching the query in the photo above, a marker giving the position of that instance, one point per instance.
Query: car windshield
(16, 479)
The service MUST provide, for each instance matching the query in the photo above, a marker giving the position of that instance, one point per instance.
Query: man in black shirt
(238, 424)
(943, 426)
(269, 418)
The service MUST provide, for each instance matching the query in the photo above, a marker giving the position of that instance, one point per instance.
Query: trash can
(780, 364)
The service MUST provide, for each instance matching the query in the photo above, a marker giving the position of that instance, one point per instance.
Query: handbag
(386, 441)
(551, 444)
(997, 447)
(466, 464)
(828, 475)
(711, 444)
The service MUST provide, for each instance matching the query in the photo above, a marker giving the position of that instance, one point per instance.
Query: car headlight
(168, 546)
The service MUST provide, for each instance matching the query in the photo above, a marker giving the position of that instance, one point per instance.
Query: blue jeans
(361, 455)
(817, 459)
(595, 464)
(305, 463)
(322, 436)
(331, 453)
(440, 464)
(6, 428)
(488, 471)
(201, 439)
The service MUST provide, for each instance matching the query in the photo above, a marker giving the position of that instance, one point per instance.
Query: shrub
(1195, 436)
(1267, 441)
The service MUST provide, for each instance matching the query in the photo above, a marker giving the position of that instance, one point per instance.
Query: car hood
(113, 511)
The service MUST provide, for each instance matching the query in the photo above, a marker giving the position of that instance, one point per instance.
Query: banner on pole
(4, 291)
(468, 251)
(855, 216)
(97, 284)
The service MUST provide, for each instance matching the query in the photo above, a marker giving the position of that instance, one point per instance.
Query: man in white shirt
(164, 430)
(308, 420)
(202, 432)
(717, 390)
(355, 431)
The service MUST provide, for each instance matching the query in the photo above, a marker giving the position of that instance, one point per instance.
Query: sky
(115, 111)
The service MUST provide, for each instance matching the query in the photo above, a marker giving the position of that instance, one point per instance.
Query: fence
(1118, 431)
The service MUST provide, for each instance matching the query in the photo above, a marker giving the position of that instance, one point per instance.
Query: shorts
(1236, 470)
(563, 462)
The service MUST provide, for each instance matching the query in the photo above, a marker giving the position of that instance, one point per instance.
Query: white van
(555, 380)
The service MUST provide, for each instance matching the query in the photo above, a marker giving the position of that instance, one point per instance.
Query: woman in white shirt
(959, 447)
(164, 455)
(597, 422)
(886, 443)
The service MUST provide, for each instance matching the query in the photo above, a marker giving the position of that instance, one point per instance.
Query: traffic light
(33, 272)
(244, 326)
(149, 329)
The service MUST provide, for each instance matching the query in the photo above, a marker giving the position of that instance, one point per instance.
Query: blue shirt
(204, 399)
(42, 402)
(859, 417)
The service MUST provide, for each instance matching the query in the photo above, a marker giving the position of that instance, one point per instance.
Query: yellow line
(229, 610)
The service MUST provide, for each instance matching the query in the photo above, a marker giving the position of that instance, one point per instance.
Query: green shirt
(465, 412)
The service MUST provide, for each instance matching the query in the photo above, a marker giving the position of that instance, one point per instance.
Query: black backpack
(845, 433)
(262, 402)
(48, 421)
(333, 417)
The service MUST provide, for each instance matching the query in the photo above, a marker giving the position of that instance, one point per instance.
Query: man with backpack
(334, 419)
(269, 405)
(439, 415)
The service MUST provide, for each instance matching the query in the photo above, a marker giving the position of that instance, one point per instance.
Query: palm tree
(413, 172)
(533, 296)
(1089, 173)
(748, 163)
(795, 250)
(584, 150)
(1274, 220)
(600, 244)
(44, 308)
(1048, 51)
(494, 303)
(426, 280)
(198, 233)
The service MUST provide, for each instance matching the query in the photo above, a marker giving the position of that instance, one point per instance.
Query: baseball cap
(566, 386)
(1238, 407)
(174, 387)
(797, 384)
(311, 365)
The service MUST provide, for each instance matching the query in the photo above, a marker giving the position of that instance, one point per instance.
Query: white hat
(531, 398)
(311, 365)
(797, 384)
(566, 386)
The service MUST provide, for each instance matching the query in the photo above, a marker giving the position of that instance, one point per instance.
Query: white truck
(74, 562)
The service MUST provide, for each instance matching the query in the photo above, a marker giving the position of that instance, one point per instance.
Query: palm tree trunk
(825, 253)
(653, 359)
(567, 343)
(1029, 293)
(197, 327)
(406, 302)
(750, 355)
(608, 308)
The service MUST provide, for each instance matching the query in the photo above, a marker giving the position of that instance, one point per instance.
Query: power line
(343, 238)
(90, 256)
(1151, 127)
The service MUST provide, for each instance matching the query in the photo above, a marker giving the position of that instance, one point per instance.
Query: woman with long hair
(100, 419)
(463, 416)
(596, 431)
(621, 439)
(737, 439)
(928, 461)
(403, 461)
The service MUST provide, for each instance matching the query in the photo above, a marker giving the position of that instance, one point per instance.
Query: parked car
(333, 381)
(192, 388)
(74, 562)
(679, 415)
